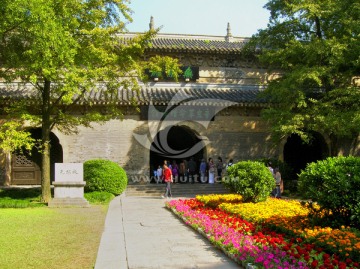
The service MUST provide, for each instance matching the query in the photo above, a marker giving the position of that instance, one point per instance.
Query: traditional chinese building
(213, 110)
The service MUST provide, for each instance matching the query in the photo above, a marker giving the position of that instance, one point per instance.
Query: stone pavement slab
(140, 233)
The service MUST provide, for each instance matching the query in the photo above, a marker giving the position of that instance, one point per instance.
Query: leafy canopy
(313, 47)
(59, 55)
(63, 50)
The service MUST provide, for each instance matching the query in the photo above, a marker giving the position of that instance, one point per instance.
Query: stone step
(178, 190)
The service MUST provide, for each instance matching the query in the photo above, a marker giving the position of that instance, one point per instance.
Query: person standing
(202, 171)
(219, 167)
(175, 171)
(230, 163)
(182, 171)
(278, 182)
(168, 178)
(271, 169)
(159, 175)
(192, 170)
(211, 166)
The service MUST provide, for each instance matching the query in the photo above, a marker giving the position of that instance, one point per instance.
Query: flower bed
(263, 233)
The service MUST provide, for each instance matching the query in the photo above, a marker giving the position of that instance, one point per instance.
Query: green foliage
(98, 197)
(20, 198)
(188, 73)
(312, 47)
(251, 179)
(63, 52)
(161, 66)
(334, 184)
(104, 176)
(14, 137)
(31, 197)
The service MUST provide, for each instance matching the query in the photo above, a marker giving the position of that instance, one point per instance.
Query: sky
(200, 17)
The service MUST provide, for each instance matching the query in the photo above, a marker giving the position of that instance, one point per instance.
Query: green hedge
(98, 197)
(334, 184)
(251, 179)
(104, 176)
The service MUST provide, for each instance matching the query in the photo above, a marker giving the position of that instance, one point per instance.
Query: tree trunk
(45, 142)
(8, 168)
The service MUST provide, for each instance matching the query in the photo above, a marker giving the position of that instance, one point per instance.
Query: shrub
(104, 176)
(97, 197)
(334, 184)
(20, 198)
(251, 179)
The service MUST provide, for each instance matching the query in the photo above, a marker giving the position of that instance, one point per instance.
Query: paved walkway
(140, 233)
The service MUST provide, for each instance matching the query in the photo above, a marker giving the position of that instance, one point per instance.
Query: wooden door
(24, 171)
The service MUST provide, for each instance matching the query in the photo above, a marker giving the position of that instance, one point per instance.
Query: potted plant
(188, 74)
(155, 74)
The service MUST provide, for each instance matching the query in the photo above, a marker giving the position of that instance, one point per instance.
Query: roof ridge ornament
(152, 24)
(229, 37)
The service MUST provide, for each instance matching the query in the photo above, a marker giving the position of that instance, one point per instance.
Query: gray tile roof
(194, 44)
(154, 93)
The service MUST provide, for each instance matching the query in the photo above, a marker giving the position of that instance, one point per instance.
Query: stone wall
(112, 140)
(230, 136)
(232, 75)
(349, 146)
(239, 138)
(228, 69)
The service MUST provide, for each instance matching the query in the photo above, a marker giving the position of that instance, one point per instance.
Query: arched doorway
(176, 143)
(298, 154)
(26, 165)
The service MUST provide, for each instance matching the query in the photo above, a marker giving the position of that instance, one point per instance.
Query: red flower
(342, 265)
(286, 248)
(314, 264)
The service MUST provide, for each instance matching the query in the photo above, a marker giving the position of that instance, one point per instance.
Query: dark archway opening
(298, 154)
(34, 156)
(179, 138)
(56, 151)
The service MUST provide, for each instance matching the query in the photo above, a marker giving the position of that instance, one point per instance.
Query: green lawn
(43, 237)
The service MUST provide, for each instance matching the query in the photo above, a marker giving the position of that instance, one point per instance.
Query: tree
(160, 66)
(313, 46)
(63, 50)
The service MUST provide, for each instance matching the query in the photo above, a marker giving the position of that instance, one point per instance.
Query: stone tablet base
(69, 202)
(69, 194)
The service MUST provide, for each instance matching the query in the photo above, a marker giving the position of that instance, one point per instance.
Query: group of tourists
(189, 171)
(186, 171)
